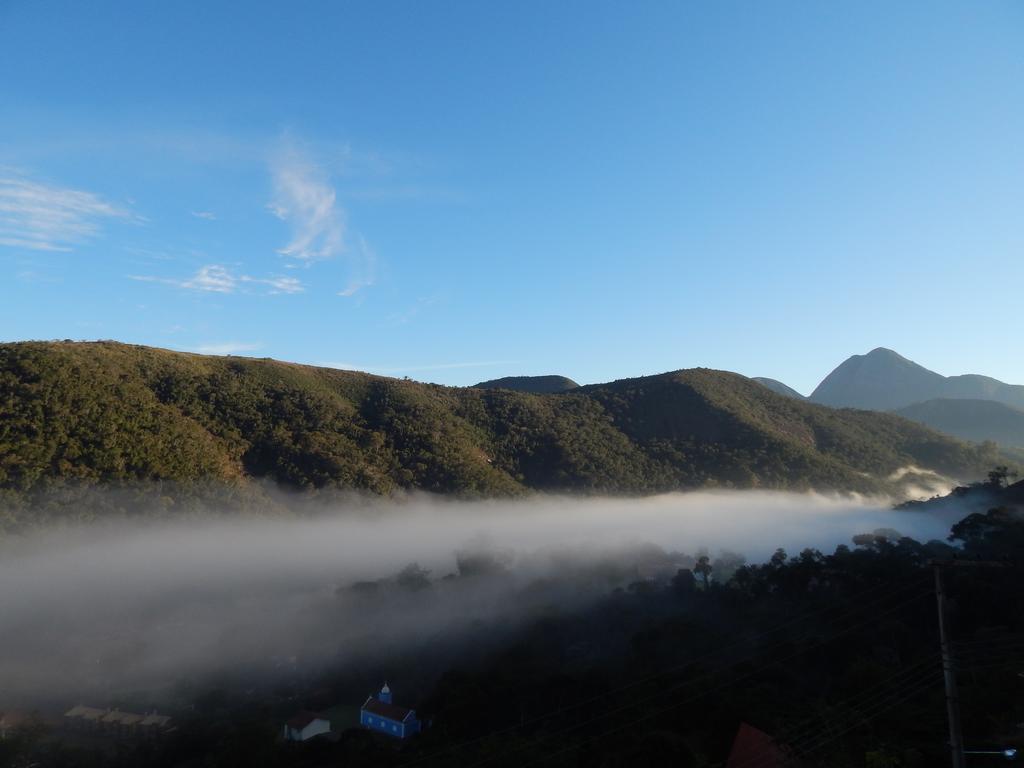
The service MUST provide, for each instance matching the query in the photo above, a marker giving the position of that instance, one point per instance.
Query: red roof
(14, 719)
(300, 720)
(752, 747)
(390, 711)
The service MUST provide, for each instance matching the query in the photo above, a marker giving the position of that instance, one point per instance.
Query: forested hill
(77, 414)
(540, 385)
(976, 420)
(778, 387)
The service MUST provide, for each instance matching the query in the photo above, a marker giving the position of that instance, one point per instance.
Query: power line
(1005, 663)
(812, 725)
(697, 696)
(972, 645)
(956, 740)
(815, 739)
(915, 673)
(659, 674)
(875, 712)
(918, 680)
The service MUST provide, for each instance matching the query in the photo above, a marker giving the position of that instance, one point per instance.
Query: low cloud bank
(100, 610)
(921, 483)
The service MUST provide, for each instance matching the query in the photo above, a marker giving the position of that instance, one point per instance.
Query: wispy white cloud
(226, 348)
(215, 278)
(277, 284)
(403, 317)
(364, 269)
(44, 217)
(208, 215)
(32, 276)
(304, 198)
(146, 255)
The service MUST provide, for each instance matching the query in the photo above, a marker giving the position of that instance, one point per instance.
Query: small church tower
(380, 714)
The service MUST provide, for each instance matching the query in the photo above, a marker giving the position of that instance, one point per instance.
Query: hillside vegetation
(778, 387)
(976, 420)
(539, 385)
(77, 415)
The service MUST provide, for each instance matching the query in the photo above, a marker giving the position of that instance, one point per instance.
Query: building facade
(380, 714)
(304, 726)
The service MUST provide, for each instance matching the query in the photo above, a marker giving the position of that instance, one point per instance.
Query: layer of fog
(95, 611)
(921, 483)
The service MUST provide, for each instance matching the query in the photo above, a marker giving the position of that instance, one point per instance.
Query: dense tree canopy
(81, 414)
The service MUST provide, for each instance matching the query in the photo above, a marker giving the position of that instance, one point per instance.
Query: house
(12, 722)
(755, 747)
(81, 717)
(303, 726)
(121, 724)
(115, 722)
(379, 713)
(154, 723)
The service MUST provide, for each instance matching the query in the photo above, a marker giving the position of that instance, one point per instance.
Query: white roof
(89, 713)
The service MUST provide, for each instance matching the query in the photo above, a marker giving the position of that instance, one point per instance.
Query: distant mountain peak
(541, 385)
(885, 352)
(884, 380)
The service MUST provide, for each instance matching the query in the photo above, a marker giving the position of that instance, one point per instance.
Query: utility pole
(956, 737)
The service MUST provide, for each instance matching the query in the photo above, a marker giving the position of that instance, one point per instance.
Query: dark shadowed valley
(228, 559)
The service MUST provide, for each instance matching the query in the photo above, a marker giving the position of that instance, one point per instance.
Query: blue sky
(463, 190)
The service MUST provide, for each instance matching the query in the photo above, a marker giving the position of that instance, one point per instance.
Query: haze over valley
(511, 384)
(282, 594)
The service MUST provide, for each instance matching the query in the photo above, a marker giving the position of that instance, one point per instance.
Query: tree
(727, 563)
(413, 577)
(1000, 476)
(997, 533)
(684, 582)
(703, 568)
(483, 562)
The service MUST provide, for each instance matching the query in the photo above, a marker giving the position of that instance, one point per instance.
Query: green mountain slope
(714, 426)
(540, 385)
(976, 420)
(778, 387)
(79, 414)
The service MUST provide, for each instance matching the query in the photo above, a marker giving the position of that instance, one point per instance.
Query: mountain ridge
(538, 385)
(778, 387)
(104, 414)
(885, 380)
(970, 419)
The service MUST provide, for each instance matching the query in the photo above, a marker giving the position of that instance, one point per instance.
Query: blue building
(378, 713)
